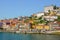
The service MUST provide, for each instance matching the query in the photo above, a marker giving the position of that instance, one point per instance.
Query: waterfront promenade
(34, 31)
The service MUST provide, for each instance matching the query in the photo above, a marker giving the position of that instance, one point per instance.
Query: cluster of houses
(14, 24)
(24, 24)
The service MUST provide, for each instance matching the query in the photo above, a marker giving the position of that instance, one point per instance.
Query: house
(54, 25)
(1, 24)
(5, 27)
(40, 27)
(50, 18)
(51, 8)
(46, 27)
(54, 10)
(57, 12)
(38, 14)
(43, 27)
(24, 26)
(47, 8)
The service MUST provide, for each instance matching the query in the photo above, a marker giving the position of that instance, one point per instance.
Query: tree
(58, 18)
(41, 20)
(55, 7)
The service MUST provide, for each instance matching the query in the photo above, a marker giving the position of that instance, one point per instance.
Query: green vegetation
(58, 18)
(41, 20)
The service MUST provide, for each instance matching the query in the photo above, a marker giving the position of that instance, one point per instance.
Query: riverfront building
(43, 21)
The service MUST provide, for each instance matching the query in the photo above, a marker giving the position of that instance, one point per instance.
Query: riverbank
(52, 32)
(47, 32)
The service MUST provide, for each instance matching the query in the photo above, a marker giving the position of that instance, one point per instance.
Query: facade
(50, 18)
(54, 26)
(38, 14)
(47, 8)
(52, 8)
(43, 27)
(1, 24)
(57, 12)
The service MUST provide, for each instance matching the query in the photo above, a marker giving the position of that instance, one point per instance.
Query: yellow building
(33, 26)
(31, 21)
(39, 27)
(46, 27)
(52, 13)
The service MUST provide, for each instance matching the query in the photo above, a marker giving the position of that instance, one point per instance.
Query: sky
(16, 8)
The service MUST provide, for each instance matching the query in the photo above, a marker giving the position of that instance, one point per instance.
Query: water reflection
(11, 36)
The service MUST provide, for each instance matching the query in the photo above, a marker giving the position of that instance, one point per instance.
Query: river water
(13, 36)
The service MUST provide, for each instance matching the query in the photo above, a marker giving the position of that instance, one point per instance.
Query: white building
(57, 11)
(50, 18)
(47, 8)
(52, 8)
(39, 14)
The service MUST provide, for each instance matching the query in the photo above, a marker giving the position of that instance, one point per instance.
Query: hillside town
(40, 22)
